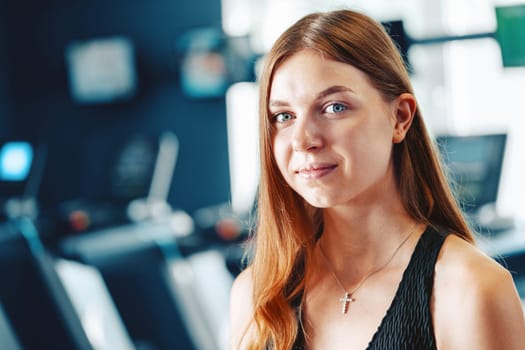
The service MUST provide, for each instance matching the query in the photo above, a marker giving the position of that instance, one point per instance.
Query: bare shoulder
(241, 308)
(241, 292)
(475, 302)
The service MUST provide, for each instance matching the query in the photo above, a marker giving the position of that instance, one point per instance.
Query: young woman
(359, 243)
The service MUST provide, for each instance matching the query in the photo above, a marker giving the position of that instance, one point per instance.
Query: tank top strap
(408, 321)
(407, 324)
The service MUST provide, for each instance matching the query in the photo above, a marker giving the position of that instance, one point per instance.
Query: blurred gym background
(128, 153)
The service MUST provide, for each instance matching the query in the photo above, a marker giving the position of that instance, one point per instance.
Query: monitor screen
(101, 70)
(474, 164)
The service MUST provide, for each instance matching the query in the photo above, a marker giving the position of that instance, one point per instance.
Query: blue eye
(282, 117)
(336, 108)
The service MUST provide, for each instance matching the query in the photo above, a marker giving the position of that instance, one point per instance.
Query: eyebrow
(326, 92)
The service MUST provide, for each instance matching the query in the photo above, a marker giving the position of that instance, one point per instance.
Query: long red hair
(286, 224)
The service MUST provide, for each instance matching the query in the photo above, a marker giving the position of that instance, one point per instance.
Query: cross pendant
(345, 301)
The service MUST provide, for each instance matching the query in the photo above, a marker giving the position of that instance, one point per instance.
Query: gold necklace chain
(348, 296)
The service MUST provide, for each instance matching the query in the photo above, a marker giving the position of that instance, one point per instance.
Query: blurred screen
(474, 166)
(101, 70)
(15, 161)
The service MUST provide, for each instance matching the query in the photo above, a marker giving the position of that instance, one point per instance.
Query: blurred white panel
(201, 286)
(239, 16)
(94, 306)
(243, 144)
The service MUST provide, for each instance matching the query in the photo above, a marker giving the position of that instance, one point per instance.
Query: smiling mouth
(317, 171)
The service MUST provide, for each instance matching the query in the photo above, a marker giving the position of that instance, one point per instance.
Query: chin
(320, 203)
(321, 197)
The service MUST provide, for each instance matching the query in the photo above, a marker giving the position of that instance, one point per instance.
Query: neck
(366, 237)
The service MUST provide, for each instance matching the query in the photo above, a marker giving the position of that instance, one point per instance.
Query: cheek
(365, 149)
(376, 157)
(280, 155)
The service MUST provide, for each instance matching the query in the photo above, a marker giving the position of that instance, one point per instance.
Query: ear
(405, 109)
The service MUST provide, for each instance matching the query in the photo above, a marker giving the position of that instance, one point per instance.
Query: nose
(307, 135)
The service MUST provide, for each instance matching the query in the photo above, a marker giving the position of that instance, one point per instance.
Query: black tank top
(407, 324)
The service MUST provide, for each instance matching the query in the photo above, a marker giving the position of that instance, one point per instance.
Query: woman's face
(333, 131)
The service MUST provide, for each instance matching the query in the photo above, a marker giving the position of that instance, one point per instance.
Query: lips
(316, 171)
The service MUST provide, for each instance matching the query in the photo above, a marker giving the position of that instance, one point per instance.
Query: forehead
(307, 72)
